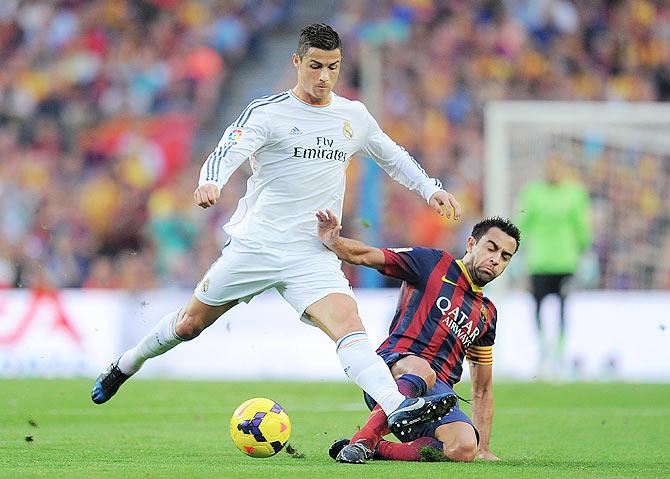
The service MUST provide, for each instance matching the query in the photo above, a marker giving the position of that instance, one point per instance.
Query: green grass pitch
(157, 429)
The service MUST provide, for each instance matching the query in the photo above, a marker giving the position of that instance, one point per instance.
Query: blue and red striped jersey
(440, 313)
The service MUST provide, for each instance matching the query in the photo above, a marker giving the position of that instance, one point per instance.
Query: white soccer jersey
(299, 154)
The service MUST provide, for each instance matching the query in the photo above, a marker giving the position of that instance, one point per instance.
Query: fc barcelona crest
(484, 311)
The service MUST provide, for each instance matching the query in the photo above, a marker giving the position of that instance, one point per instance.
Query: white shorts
(246, 269)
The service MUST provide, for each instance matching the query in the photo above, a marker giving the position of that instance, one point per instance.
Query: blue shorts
(427, 429)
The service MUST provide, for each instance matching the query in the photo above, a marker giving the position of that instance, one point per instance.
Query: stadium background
(108, 108)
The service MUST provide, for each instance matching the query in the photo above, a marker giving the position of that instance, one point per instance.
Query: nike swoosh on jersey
(444, 278)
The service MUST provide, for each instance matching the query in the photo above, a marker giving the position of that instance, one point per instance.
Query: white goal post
(620, 150)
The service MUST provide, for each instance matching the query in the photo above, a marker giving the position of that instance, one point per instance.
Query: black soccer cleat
(336, 447)
(108, 383)
(356, 453)
(414, 411)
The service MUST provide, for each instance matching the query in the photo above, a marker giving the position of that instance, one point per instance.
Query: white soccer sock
(160, 339)
(368, 370)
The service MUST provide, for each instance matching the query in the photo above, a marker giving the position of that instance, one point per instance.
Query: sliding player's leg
(453, 438)
(459, 441)
(337, 315)
(413, 376)
(455, 441)
(314, 285)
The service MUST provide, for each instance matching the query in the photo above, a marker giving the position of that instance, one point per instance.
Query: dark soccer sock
(411, 385)
(405, 451)
(376, 427)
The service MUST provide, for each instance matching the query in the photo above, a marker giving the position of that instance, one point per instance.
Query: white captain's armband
(400, 250)
(480, 354)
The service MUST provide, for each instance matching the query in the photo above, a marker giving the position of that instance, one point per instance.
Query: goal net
(620, 151)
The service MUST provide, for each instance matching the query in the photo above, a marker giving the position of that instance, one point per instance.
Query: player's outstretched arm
(400, 165)
(354, 252)
(482, 407)
(206, 195)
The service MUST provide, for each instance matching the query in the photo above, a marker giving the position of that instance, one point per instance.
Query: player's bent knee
(197, 316)
(461, 451)
(459, 440)
(187, 328)
(336, 314)
(415, 365)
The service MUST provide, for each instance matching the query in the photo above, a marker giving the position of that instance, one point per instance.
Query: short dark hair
(503, 224)
(318, 35)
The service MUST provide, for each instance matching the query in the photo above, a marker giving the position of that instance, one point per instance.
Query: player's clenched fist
(206, 195)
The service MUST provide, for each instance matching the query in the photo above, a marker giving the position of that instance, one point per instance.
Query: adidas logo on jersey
(295, 131)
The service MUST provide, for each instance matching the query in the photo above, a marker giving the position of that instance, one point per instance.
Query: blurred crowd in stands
(101, 102)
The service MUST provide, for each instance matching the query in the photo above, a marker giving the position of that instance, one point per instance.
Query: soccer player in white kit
(299, 144)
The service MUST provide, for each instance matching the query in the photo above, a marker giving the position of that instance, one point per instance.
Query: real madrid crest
(205, 285)
(347, 129)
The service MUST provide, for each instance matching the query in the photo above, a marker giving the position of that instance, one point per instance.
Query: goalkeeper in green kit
(554, 218)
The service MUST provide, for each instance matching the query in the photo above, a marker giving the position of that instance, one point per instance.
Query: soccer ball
(260, 427)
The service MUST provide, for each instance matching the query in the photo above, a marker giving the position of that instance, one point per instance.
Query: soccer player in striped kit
(442, 318)
(299, 144)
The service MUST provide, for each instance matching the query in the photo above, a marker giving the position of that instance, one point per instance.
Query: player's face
(318, 71)
(489, 256)
(554, 169)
